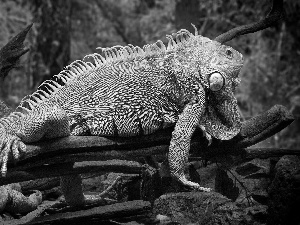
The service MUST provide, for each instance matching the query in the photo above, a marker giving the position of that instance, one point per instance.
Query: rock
(247, 168)
(3, 198)
(199, 207)
(284, 192)
(12, 200)
(260, 196)
(20, 203)
(258, 213)
(253, 179)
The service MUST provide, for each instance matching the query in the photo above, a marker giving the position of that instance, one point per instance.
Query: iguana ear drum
(216, 81)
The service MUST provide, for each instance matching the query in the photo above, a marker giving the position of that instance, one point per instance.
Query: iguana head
(218, 66)
(215, 67)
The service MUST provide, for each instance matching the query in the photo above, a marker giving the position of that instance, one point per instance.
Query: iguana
(130, 91)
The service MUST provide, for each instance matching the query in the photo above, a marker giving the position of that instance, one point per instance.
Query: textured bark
(198, 208)
(10, 55)
(186, 12)
(254, 131)
(52, 41)
(284, 198)
(102, 214)
(63, 169)
(275, 14)
(12, 51)
(60, 154)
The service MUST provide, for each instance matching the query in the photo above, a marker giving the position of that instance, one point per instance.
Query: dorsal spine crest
(113, 54)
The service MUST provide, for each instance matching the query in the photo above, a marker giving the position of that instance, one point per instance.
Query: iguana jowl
(131, 91)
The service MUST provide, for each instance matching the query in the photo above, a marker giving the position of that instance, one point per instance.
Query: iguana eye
(216, 81)
(229, 53)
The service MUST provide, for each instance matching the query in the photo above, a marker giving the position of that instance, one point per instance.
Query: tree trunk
(51, 48)
(186, 12)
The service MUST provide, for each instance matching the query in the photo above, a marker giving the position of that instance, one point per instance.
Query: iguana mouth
(222, 117)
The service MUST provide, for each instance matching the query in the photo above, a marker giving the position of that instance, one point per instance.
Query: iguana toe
(193, 185)
(10, 147)
(204, 189)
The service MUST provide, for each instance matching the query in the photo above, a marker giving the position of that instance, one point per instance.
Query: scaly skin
(133, 91)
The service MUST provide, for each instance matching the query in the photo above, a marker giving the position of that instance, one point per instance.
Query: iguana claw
(193, 185)
(10, 146)
(204, 189)
(206, 135)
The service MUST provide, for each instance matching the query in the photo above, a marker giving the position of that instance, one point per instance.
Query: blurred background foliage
(66, 30)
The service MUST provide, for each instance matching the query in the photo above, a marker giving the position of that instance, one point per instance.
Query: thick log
(40, 184)
(276, 13)
(24, 173)
(56, 157)
(253, 131)
(258, 128)
(62, 169)
(98, 214)
(264, 153)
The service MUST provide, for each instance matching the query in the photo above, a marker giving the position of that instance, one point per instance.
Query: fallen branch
(101, 213)
(55, 170)
(253, 131)
(56, 158)
(12, 51)
(32, 215)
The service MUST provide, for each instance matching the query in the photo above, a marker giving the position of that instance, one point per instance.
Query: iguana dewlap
(130, 91)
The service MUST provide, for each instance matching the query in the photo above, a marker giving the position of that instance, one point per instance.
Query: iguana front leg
(181, 138)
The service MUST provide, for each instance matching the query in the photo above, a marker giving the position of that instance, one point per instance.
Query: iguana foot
(10, 147)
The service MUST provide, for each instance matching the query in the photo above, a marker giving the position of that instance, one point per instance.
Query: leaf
(247, 169)
(225, 185)
(262, 199)
(259, 175)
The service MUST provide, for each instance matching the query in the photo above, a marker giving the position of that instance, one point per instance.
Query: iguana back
(119, 99)
(131, 91)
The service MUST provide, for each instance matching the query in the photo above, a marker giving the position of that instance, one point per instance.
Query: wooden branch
(256, 129)
(101, 214)
(12, 51)
(56, 157)
(275, 14)
(253, 131)
(264, 153)
(19, 174)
